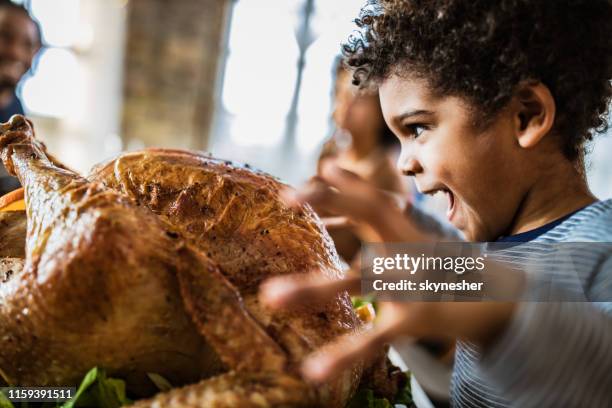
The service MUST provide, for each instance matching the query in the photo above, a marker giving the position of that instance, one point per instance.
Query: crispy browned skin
(98, 287)
(12, 234)
(234, 216)
(132, 269)
(244, 390)
(12, 244)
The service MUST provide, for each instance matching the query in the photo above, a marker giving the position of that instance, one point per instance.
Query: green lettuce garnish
(359, 301)
(97, 390)
(5, 402)
(160, 382)
(404, 396)
(365, 398)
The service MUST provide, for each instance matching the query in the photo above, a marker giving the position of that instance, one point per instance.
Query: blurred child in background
(364, 145)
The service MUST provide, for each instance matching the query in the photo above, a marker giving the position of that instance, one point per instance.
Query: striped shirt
(556, 354)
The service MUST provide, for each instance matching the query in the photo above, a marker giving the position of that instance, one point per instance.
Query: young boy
(493, 103)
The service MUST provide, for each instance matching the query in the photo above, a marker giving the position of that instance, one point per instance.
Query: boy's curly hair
(482, 49)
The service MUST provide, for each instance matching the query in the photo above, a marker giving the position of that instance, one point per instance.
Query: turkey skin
(152, 263)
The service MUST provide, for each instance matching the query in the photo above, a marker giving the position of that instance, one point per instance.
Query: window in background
(57, 71)
(74, 95)
(276, 85)
(261, 71)
(331, 24)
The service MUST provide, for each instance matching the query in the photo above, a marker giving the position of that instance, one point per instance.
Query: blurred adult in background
(20, 40)
(364, 145)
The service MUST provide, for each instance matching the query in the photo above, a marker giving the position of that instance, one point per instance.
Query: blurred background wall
(171, 61)
(249, 80)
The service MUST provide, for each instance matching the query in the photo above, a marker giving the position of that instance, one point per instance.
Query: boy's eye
(415, 129)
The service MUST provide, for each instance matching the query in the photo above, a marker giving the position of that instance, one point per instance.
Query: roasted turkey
(152, 264)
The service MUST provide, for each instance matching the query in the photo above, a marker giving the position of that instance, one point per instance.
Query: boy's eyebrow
(410, 114)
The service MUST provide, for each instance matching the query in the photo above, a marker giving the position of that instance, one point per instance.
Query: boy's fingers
(371, 201)
(325, 198)
(346, 351)
(361, 212)
(337, 222)
(354, 198)
(289, 197)
(313, 192)
(325, 189)
(360, 189)
(295, 290)
(345, 180)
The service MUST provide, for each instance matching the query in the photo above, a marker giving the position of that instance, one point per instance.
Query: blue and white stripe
(552, 354)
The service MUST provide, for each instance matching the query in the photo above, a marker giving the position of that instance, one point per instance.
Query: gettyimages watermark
(471, 272)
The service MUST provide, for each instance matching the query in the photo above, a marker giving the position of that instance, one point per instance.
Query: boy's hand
(342, 193)
(344, 198)
(478, 322)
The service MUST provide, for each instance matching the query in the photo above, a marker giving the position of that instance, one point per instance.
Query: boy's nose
(409, 167)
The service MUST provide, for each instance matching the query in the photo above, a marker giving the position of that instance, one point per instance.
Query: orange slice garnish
(13, 201)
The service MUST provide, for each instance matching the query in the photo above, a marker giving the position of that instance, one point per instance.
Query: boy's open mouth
(450, 210)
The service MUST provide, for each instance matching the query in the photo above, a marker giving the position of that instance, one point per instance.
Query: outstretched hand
(353, 201)
(379, 218)
(474, 321)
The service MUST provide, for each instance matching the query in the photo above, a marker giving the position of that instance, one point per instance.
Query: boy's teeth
(449, 196)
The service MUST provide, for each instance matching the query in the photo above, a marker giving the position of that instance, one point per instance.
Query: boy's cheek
(442, 163)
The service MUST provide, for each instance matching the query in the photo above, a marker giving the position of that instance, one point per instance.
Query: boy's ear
(534, 113)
